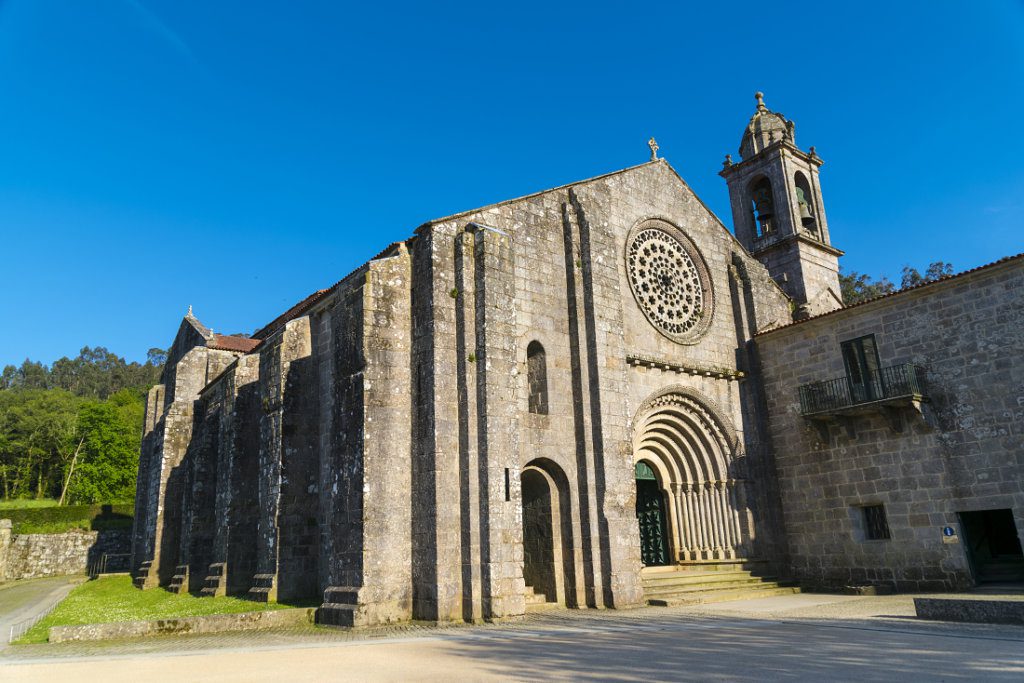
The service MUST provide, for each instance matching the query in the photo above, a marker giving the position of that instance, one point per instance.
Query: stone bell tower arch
(778, 212)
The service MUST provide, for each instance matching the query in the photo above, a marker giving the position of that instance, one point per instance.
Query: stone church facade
(551, 396)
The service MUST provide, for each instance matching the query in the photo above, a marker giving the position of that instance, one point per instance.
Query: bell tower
(778, 213)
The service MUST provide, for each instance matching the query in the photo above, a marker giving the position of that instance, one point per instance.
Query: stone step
(142, 574)
(740, 564)
(213, 586)
(263, 580)
(179, 582)
(344, 595)
(336, 614)
(674, 578)
(708, 587)
(707, 597)
(541, 606)
(259, 594)
(535, 598)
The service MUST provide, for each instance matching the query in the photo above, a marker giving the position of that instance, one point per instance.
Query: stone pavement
(23, 600)
(793, 638)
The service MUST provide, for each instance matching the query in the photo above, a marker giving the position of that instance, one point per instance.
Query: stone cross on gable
(653, 144)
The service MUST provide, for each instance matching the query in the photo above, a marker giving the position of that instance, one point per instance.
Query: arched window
(806, 202)
(537, 376)
(763, 206)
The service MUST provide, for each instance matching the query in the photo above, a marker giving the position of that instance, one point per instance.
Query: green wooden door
(650, 515)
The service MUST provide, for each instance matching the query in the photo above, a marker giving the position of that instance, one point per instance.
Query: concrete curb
(211, 623)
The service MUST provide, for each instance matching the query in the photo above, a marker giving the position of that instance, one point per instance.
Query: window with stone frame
(876, 526)
(537, 378)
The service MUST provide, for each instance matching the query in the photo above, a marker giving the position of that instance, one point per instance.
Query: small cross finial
(190, 311)
(653, 144)
(760, 99)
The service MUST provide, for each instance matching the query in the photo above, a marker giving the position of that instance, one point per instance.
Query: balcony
(886, 391)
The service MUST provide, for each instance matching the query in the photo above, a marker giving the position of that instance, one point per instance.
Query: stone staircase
(215, 583)
(263, 588)
(339, 606)
(179, 582)
(695, 583)
(537, 601)
(142, 573)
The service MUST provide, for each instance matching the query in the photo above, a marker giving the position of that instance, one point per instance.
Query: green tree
(74, 427)
(936, 270)
(156, 357)
(108, 461)
(857, 287)
(37, 439)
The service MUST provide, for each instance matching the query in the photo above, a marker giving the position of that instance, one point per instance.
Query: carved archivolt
(688, 435)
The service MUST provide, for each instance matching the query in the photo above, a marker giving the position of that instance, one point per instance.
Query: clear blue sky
(236, 156)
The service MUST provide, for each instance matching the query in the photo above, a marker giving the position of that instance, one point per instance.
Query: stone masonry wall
(965, 453)
(372, 447)
(30, 556)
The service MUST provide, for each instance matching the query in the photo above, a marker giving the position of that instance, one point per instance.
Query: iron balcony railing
(898, 381)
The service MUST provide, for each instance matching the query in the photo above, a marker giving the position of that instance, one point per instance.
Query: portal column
(716, 522)
(707, 536)
(734, 494)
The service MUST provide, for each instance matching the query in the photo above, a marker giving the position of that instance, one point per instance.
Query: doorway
(650, 515)
(538, 536)
(993, 546)
(860, 356)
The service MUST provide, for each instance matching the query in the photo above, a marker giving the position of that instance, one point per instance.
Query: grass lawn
(25, 503)
(114, 598)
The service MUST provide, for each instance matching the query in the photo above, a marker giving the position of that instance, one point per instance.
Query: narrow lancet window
(537, 376)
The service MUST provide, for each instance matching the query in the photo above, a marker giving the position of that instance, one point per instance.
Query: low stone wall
(30, 556)
(212, 623)
(975, 611)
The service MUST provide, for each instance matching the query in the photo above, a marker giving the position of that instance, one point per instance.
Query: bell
(805, 213)
(763, 208)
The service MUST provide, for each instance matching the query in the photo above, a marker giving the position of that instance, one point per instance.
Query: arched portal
(548, 552)
(691, 451)
(651, 515)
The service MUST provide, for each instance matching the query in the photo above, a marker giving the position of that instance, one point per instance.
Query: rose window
(666, 281)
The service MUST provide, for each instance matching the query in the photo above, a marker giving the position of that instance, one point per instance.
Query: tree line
(72, 430)
(857, 287)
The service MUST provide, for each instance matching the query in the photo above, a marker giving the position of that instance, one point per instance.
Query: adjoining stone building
(582, 396)
(898, 428)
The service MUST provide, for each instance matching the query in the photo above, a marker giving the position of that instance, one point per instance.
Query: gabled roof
(224, 342)
(295, 310)
(307, 303)
(942, 281)
(505, 202)
(202, 329)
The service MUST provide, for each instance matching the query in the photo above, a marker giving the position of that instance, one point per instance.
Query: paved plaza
(796, 638)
